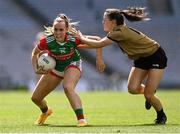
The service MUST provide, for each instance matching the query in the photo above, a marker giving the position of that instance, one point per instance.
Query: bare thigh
(153, 80)
(71, 78)
(45, 85)
(136, 77)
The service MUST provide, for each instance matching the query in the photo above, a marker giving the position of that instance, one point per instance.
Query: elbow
(98, 45)
(95, 46)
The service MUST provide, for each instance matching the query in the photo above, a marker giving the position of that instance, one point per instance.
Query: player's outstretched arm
(91, 42)
(100, 66)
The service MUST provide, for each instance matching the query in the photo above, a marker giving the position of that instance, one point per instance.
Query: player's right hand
(40, 70)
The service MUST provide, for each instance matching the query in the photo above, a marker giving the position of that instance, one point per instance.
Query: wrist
(99, 59)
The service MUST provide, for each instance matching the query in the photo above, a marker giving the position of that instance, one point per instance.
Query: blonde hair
(62, 18)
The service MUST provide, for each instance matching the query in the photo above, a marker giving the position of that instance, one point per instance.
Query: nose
(102, 21)
(58, 32)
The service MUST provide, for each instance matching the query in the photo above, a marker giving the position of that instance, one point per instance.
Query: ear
(114, 23)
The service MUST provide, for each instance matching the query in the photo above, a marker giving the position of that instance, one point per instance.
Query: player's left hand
(100, 66)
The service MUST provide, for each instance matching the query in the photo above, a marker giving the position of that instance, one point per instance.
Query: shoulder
(50, 38)
(70, 38)
(116, 34)
(43, 43)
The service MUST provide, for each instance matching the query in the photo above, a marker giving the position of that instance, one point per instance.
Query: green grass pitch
(106, 112)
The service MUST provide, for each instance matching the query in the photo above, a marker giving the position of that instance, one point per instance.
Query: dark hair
(131, 14)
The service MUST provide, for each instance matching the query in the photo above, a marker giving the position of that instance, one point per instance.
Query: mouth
(58, 37)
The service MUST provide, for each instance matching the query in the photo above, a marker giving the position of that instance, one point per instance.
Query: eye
(56, 29)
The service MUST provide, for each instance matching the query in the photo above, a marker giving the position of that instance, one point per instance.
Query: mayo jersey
(64, 53)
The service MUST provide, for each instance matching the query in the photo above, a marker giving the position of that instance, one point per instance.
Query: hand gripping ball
(46, 61)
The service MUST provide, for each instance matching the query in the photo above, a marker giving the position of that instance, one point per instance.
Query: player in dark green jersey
(64, 49)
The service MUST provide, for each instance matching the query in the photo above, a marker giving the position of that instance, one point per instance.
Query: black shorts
(157, 60)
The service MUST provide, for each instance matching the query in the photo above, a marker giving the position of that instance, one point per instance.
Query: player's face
(59, 29)
(107, 24)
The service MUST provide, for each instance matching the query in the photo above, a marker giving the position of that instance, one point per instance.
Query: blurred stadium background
(21, 20)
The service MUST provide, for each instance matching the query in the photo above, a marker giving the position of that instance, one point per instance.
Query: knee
(132, 89)
(35, 99)
(68, 89)
(148, 96)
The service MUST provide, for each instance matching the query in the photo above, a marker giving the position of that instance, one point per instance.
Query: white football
(46, 61)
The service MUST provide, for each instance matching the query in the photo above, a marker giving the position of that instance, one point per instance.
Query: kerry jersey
(64, 53)
(134, 43)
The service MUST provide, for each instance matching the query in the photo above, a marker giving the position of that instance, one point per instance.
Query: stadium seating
(18, 30)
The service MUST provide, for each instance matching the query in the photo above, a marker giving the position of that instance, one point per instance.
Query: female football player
(149, 58)
(64, 49)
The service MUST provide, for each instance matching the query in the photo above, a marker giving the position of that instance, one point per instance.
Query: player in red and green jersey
(66, 54)
(64, 49)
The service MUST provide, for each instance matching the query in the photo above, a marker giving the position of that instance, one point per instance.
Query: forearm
(100, 66)
(99, 54)
(93, 37)
(34, 62)
(34, 56)
(85, 46)
(92, 43)
(88, 46)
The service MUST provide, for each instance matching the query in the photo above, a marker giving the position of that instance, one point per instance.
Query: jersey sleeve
(42, 45)
(115, 36)
(77, 42)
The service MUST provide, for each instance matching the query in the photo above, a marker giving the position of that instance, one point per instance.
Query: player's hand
(100, 66)
(40, 70)
(40, 53)
(77, 34)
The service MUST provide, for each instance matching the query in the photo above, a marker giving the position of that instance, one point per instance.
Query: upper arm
(42, 45)
(93, 37)
(98, 43)
(84, 46)
(35, 51)
(116, 36)
(105, 42)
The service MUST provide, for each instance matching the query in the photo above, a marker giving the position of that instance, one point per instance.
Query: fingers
(40, 70)
(75, 33)
(72, 31)
(100, 67)
(79, 32)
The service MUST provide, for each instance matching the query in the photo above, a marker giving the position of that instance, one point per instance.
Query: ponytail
(135, 14)
(131, 14)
